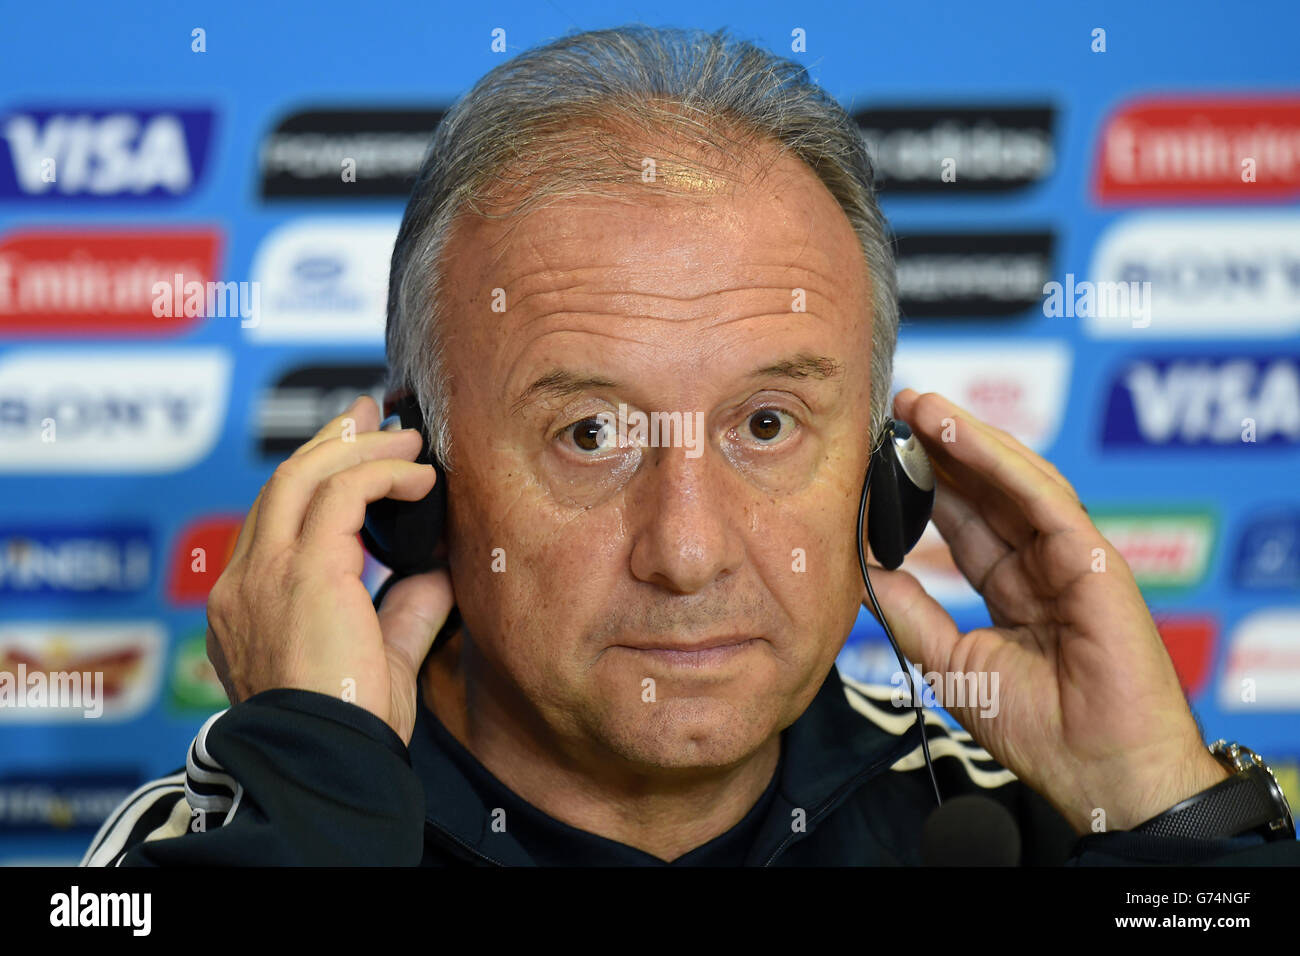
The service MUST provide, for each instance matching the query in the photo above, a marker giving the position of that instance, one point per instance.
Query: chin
(694, 732)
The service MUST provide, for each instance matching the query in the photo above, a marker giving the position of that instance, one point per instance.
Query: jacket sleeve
(287, 777)
(1047, 839)
(1125, 848)
(1045, 832)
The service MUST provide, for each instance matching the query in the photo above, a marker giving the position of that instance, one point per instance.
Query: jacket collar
(826, 754)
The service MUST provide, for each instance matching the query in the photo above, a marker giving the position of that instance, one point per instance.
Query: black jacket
(300, 778)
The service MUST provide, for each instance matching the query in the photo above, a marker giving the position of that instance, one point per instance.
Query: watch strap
(1235, 806)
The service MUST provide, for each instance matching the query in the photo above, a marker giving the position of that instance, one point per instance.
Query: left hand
(1089, 712)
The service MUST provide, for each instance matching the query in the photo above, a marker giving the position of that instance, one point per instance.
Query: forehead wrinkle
(559, 384)
(596, 332)
(713, 321)
(627, 299)
(802, 365)
(783, 289)
(620, 296)
(670, 273)
(517, 404)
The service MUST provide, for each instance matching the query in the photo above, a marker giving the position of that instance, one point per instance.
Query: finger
(1047, 506)
(999, 511)
(905, 400)
(1041, 463)
(412, 613)
(1003, 515)
(992, 567)
(292, 488)
(925, 633)
(361, 416)
(338, 509)
(362, 413)
(246, 530)
(975, 547)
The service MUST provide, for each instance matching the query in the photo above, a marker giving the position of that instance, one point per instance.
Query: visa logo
(102, 154)
(1195, 402)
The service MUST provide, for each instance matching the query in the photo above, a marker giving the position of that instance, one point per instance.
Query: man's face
(588, 574)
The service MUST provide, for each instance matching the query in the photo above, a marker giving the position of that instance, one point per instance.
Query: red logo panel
(200, 555)
(1189, 638)
(99, 282)
(1238, 149)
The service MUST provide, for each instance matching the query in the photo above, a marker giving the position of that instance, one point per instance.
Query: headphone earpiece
(407, 535)
(902, 495)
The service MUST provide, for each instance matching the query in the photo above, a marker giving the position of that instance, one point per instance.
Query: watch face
(1243, 758)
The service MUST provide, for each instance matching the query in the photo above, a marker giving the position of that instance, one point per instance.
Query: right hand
(290, 609)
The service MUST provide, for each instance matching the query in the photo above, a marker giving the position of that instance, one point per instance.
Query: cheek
(532, 581)
(806, 553)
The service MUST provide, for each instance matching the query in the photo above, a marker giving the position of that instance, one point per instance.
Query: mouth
(698, 654)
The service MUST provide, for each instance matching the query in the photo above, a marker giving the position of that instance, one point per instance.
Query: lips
(708, 644)
(710, 654)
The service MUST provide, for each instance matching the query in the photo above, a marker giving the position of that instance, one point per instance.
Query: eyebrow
(561, 383)
(801, 366)
(558, 383)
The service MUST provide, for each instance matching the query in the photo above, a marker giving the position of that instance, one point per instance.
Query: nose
(690, 518)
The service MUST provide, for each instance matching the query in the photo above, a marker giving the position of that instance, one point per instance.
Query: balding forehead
(685, 257)
(587, 231)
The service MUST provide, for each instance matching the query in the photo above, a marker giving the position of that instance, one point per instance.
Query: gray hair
(563, 119)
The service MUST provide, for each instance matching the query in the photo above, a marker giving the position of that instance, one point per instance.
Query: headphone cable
(880, 616)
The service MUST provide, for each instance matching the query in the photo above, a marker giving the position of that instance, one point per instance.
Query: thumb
(924, 631)
(412, 613)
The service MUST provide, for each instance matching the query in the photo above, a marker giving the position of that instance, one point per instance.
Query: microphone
(970, 830)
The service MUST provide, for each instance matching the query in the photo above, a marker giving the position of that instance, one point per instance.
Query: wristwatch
(1250, 801)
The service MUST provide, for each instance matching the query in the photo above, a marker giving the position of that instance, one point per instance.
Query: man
(642, 667)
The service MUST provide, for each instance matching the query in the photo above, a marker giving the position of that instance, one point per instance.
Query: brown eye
(765, 424)
(589, 434)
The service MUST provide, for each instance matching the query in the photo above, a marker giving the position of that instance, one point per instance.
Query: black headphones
(407, 536)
